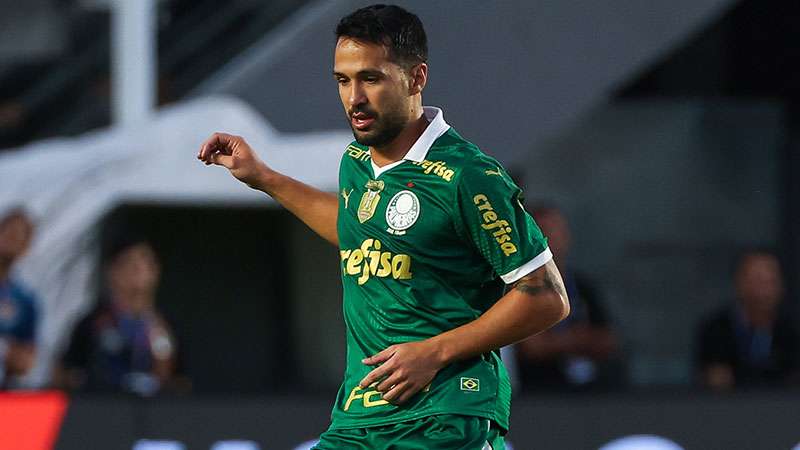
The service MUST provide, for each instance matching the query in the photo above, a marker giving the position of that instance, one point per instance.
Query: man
(124, 345)
(18, 307)
(752, 342)
(577, 353)
(429, 230)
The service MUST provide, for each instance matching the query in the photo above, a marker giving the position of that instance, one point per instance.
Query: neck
(397, 149)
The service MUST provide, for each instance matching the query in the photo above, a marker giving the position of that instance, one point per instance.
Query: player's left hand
(403, 370)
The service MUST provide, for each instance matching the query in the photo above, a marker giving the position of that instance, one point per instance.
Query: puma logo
(346, 197)
(493, 172)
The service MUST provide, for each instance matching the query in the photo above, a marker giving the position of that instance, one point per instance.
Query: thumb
(380, 357)
(223, 160)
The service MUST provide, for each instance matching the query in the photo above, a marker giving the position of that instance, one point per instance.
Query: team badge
(370, 199)
(402, 212)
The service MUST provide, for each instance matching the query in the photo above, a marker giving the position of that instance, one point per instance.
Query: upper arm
(492, 216)
(546, 287)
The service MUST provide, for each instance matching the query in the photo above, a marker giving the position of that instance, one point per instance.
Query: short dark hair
(389, 25)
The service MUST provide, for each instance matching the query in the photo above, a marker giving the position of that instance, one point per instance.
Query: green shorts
(440, 432)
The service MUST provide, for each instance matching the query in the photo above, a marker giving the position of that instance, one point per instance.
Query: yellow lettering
(401, 267)
(489, 226)
(368, 403)
(364, 274)
(366, 245)
(386, 265)
(505, 230)
(374, 260)
(508, 248)
(438, 168)
(501, 227)
(353, 396)
(369, 260)
(354, 261)
(503, 238)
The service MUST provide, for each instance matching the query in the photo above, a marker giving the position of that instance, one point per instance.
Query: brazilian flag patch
(470, 384)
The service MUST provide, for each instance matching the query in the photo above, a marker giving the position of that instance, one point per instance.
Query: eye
(342, 81)
(371, 80)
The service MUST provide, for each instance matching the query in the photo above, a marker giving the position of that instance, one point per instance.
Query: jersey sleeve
(491, 213)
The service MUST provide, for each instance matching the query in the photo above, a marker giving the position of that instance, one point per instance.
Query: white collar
(435, 129)
(417, 153)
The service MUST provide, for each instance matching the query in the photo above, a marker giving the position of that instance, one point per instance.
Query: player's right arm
(315, 208)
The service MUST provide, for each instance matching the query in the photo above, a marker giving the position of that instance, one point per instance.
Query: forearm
(533, 306)
(315, 208)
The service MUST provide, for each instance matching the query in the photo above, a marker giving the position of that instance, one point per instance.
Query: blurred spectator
(18, 307)
(578, 352)
(124, 344)
(752, 341)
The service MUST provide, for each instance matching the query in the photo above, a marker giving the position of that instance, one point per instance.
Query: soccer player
(430, 230)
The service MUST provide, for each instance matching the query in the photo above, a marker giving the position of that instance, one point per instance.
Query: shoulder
(458, 160)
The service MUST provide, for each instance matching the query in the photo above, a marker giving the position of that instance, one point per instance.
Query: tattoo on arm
(540, 281)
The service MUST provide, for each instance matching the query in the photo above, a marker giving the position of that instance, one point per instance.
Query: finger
(207, 148)
(395, 392)
(386, 385)
(406, 395)
(377, 374)
(218, 142)
(221, 160)
(380, 357)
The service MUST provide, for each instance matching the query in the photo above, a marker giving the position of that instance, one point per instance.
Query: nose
(357, 96)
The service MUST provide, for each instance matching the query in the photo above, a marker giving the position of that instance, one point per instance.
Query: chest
(404, 209)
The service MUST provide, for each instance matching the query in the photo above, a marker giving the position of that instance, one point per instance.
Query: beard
(385, 128)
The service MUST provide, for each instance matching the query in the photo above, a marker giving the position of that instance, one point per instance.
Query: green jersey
(427, 245)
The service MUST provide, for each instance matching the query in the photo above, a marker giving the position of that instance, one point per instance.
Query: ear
(418, 77)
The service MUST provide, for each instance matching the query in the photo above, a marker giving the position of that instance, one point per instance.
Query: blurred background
(149, 302)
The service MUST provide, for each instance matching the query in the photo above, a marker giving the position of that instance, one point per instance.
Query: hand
(404, 370)
(233, 153)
